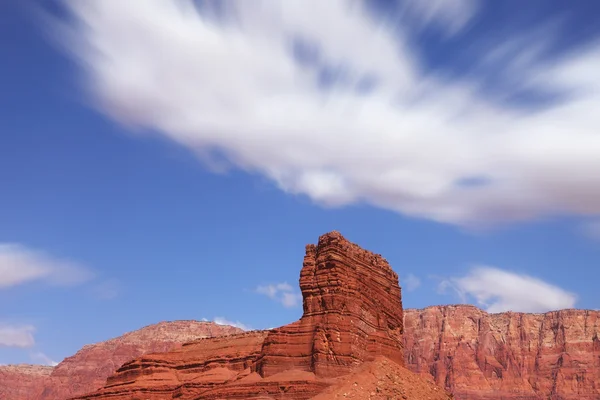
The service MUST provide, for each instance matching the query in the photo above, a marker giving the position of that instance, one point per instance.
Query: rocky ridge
(343, 332)
(23, 381)
(460, 347)
(88, 369)
(352, 317)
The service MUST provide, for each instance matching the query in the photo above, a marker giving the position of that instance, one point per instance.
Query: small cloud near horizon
(20, 265)
(224, 321)
(410, 282)
(41, 358)
(282, 293)
(20, 336)
(498, 290)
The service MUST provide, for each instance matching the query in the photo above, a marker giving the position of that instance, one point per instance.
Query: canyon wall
(352, 341)
(26, 382)
(481, 356)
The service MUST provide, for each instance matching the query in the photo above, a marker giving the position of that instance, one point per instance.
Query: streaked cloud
(237, 324)
(283, 293)
(20, 265)
(41, 358)
(17, 336)
(498, 290)
(410, 282)
(273, 87)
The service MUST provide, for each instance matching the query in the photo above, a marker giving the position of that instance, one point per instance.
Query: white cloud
(41, 358)
(19, 265)
(497, 290)
(410, 282)
(450, 15)
(17, 336)
(282, 293)
(228, 82)
(237, 324)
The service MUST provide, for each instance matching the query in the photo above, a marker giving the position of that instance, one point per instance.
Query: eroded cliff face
(88, 369)
(352, 315)
(351, 342)
(23, 381)
(480, 356)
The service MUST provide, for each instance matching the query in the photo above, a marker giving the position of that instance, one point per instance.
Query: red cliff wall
(352, 318)
(480, 356)
(23, 381)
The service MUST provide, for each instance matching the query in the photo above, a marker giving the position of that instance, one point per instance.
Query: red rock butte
(341, 348)
(352, 315)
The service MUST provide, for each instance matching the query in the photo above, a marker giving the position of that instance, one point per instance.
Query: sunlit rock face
(481, 356)
(352, 316)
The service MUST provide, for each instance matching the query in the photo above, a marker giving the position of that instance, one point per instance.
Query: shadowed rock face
(481, 356)
(352, 314)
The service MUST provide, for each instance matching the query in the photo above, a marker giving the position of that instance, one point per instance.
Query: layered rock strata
(352, 318)
(23, 381)
(89, 368)
(352, 314)
(481, 356)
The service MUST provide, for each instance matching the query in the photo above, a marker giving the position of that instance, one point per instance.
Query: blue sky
(170, 160)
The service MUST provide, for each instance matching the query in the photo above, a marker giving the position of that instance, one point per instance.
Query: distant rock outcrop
(352, 317)
(481, 356)
(88, 369)
(23, 381)
(354, 340)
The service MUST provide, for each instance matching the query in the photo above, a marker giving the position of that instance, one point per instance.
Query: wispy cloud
(283, 293)
(237, 324)
(20, 265)
(17, 336)
(410, 282)
(498, 290)
(273, 87)
(41, 358)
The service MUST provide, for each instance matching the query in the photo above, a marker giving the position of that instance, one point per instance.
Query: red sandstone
(352, 321)
(481, 356)
(352, 315)
(87, 370)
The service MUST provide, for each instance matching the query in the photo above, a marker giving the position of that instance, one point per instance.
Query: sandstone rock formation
(352, 315)
(88, 369)
(349, 343)
(481, 356)
(23, 381)
(352, 312)
(463, 348)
